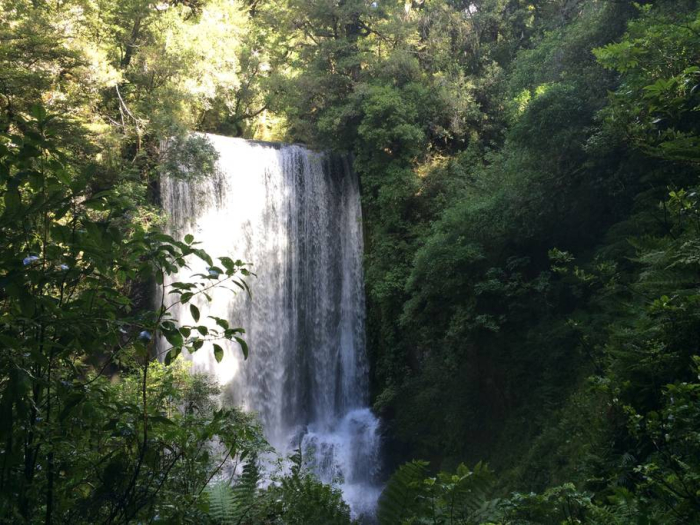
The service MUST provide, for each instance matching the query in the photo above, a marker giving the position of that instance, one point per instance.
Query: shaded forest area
(529, 173)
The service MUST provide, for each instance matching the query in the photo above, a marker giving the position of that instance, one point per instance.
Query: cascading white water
(296, 216)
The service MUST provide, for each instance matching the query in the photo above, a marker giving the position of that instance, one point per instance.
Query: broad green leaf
(174, 337)
(195, 313)
(244, 346)
(218, 353)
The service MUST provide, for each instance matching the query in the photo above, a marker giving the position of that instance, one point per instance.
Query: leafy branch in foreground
(91, 428)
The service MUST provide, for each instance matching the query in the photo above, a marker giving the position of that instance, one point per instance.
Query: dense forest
(531, 215)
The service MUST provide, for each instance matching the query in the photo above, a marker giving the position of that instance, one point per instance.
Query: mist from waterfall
(295, 214)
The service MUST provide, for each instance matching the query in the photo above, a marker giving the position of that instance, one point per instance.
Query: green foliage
(135, 74)
(298, 498)
(658, 101)
(529, 179)
(234, 505)
(412, 497)
(188, 157)
(75, 443)
(222, 503)
(293, 498)
(399, 499)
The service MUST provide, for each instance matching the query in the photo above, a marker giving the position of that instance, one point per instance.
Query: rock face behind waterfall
(296, 216)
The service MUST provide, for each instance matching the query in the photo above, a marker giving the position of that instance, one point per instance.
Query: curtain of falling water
(295, 215)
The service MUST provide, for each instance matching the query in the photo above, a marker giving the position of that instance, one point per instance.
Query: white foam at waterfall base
(347, 455)
(296, 216)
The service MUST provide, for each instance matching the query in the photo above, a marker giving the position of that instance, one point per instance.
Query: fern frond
(222, 503)
(229, 505)
(245, 491)
(399, 499)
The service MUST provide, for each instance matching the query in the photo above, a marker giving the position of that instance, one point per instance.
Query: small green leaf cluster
(193, 337)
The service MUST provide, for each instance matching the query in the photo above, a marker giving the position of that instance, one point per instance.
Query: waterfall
(295, 214)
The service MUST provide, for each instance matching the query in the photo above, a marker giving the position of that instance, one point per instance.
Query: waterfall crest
(295, 214)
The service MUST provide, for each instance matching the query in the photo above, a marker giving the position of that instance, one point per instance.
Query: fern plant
(234, 504)
(221, 503)
(299, 498)
(400, 498)
(461, 498)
